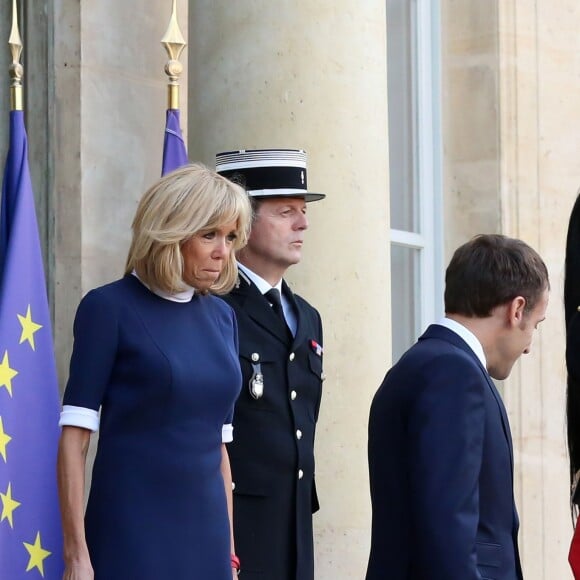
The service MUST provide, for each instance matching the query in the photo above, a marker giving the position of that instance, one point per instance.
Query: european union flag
(30, 530)
(174, 150)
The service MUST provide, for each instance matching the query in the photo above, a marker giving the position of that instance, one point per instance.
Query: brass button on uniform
(298, 434)
(292, 356)
(293, 395)
(233, 486)
(300, 474)
(255, 356)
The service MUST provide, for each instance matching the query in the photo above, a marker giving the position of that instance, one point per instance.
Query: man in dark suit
(440, 450)
(280, 342)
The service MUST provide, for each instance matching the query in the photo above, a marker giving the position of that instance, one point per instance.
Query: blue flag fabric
(174, 150)
(30, 530)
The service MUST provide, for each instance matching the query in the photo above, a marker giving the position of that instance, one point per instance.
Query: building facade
(425, 122)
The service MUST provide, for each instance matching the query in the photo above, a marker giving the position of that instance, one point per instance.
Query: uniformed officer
(280, 342)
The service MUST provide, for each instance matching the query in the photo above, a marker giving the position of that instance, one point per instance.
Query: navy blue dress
(166, 376)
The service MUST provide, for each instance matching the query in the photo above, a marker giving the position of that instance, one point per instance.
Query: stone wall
(312, 75)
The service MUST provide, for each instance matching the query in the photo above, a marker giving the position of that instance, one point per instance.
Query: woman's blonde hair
(178, 206)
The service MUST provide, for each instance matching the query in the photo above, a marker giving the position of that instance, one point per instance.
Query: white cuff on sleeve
(79, 417)
(227, 433)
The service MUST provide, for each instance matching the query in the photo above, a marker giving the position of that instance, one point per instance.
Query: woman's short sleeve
(95, 334)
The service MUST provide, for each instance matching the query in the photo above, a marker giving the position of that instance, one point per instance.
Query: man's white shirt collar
(260, 283)
(263, 287)
(468, 336)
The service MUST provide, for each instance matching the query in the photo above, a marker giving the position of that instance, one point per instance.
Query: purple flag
(174, 150)
(30, 530)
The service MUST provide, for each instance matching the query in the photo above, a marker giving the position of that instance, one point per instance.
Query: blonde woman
(156, 352)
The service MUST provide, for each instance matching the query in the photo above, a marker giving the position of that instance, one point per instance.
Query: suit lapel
(504, 418)
(258, 309)
(443, 333)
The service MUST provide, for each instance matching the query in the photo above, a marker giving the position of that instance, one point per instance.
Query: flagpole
(174, 44)
(16, 69)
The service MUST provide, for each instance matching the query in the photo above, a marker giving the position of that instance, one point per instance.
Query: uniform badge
(316, 347)
(256, 382)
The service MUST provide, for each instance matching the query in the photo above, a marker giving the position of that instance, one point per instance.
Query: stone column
(511, 138)
(67, 187)
(540, 99)
(312, 75)
(108, 122)
(470, 120)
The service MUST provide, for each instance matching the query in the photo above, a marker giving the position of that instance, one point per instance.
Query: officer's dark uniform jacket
(272, 454)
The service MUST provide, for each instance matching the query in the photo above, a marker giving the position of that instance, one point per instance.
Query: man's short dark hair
(491, 270)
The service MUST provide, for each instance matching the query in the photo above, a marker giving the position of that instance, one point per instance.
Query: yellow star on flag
(29, 327)
(4, 440)
(6, 373)
(37, 555)
(8, 506)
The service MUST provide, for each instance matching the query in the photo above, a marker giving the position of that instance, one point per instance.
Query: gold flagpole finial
(16, 69)
(174, 44)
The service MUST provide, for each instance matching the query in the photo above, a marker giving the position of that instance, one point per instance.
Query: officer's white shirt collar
(260, 283)
(263, 287)
(468, 336)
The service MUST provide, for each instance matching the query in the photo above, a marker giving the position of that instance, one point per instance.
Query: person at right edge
(572, 317)
(440, 449)
(280, 338)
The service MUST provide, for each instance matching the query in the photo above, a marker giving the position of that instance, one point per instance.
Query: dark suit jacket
(441, 469)
(272, 454)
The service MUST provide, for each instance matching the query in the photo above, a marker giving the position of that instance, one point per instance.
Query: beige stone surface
(66, 184)
(123, 109)
(470, 120)
(540, 99)
(511, 126)
(312, 75)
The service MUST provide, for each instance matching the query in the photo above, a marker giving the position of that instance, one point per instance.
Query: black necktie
(273, 297)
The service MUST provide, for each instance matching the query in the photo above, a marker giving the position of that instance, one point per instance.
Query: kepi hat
(268, 172)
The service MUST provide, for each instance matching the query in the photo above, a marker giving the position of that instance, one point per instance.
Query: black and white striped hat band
(268, 172)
